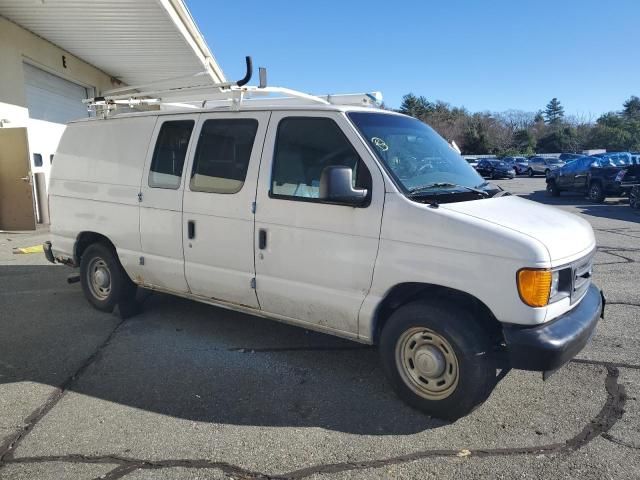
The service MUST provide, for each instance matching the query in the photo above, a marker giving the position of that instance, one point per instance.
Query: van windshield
(419, 159)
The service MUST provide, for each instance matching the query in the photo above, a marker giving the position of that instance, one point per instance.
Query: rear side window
(304, 148)
(222, 157)
(37, 160)
(169, 154)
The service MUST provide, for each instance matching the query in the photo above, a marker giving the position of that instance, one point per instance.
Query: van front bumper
(547, 347)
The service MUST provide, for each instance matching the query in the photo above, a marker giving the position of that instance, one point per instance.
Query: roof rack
(185, 94)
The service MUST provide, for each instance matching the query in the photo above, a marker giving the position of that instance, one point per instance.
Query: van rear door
(218, 220)
(161, 193)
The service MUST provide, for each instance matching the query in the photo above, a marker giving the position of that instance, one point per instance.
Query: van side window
(304, 148)
(37, 160)
(222, 157)
(169, 154)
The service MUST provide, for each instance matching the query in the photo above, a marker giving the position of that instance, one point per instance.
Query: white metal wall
(52, 98)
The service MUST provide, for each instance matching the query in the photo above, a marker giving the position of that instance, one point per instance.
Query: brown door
(16, 193)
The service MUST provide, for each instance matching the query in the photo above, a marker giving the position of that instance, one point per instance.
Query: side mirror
(336, 186)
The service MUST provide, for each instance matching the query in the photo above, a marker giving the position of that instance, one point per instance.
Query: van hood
(566, 236)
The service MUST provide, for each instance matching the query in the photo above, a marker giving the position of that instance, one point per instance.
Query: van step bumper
(549, 346)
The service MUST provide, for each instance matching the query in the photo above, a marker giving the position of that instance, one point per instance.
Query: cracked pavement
(190, 391)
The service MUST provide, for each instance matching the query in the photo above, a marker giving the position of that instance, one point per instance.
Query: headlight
(539, 287)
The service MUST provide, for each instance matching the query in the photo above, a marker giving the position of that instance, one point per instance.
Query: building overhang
(133, 41)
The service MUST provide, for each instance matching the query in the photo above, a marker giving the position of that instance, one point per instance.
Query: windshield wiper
(429, 186)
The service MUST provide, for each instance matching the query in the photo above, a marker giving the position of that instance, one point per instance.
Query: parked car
(519, 164)
(472, 161)
(567, 157)
(543, 165)
(631, 182)
(494, 168)
(634, 197)
(596, 177)
(348, 220)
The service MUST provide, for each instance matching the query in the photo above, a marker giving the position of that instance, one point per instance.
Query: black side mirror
(336, 186)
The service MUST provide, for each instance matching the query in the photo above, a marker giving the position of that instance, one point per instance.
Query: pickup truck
(596, 177)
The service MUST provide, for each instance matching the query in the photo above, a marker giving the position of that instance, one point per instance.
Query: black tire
(634, 197)
(547, 172)
(530, 172)
(596, 192)
(552, 188)
(476, 367)
(99, 256)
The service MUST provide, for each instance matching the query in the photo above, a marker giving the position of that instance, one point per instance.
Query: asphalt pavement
(189, 391)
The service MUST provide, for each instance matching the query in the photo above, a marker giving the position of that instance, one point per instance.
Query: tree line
(517, 132)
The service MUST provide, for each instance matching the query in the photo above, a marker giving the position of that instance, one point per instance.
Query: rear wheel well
(85, 239)
(407, 292)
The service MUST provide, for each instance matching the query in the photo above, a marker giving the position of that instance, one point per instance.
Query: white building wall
(18, 47)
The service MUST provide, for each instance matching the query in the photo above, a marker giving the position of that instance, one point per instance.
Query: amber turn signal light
(534, 286)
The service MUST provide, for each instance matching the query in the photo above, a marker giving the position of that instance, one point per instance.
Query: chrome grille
(582, 271)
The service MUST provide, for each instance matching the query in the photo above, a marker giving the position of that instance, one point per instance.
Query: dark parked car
(543, 165)
(494, 168)
(634, 197)
(567, 157)
(596, 177)
(519, 164)
(631, 183)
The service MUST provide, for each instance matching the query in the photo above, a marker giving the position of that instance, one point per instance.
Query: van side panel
(95, 181)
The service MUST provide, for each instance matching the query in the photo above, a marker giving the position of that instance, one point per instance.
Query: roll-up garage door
(52, 98)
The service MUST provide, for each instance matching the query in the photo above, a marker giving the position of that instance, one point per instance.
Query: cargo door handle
(191, 229)
(262, 239)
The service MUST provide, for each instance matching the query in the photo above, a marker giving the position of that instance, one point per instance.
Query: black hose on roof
(248, 75)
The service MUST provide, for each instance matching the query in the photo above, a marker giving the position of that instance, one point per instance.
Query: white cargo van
(350, 220)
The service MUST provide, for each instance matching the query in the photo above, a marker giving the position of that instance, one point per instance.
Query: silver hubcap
(594, 193)
(99, 278)
(427, 363)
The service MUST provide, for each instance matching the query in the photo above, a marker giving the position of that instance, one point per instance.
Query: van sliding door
(161, 191)
(218, 219)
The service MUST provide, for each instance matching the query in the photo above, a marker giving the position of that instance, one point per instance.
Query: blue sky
(484, 55)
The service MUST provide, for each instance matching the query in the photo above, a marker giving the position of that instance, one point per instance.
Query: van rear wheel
(104, 281)
(438, 359)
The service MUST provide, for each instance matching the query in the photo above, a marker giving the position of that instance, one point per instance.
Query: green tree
(417, 107)
(476, 139)
(524, 142)
(559, 140)
(632, 108)
(615, 131)
(554, 112)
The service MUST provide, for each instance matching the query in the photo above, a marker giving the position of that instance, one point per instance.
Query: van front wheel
(438, 359)
(104, 281)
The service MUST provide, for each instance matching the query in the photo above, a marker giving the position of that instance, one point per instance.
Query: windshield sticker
(378, 142)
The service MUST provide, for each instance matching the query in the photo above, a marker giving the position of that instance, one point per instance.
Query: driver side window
(304, 148)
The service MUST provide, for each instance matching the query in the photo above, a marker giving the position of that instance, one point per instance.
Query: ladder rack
(226, 94)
